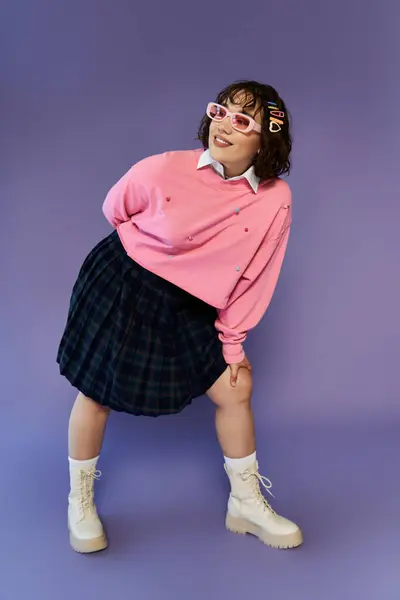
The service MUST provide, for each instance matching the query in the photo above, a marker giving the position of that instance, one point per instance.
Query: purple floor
(162, 497)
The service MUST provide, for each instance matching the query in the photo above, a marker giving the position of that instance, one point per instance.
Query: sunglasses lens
(240, 122)
(217, 112)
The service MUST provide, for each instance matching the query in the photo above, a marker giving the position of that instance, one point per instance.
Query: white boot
(249, 511)
(85, 529)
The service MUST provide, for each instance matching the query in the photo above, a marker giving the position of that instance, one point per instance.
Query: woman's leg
(85, 437)
(234, 416)
(87, 425)
(248, 510)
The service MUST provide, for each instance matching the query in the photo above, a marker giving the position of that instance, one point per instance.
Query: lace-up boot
(249, 511)
(85, 528)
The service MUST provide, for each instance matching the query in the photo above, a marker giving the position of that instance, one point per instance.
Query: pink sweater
(214, 238)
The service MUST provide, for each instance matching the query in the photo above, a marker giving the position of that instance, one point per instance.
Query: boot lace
(258, 480)
(86, 495)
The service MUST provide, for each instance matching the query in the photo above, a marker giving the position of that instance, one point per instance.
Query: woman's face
(233, 149)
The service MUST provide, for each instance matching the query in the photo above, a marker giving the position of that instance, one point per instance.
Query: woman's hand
(235, 370)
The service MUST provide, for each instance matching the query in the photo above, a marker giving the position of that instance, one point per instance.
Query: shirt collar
(207, 160)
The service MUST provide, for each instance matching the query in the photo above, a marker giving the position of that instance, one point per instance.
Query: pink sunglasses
(240, 122)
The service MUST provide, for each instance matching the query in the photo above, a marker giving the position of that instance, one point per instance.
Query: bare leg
(234, 416)
(86, 428)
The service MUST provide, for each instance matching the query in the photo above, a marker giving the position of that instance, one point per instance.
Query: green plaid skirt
(135, 342)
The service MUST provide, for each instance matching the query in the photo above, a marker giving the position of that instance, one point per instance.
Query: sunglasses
(240, 122)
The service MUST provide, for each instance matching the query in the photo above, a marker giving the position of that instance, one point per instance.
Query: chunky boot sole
(88, 546)
(243, 526)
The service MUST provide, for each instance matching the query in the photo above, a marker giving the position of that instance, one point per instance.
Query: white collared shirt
(206, 160)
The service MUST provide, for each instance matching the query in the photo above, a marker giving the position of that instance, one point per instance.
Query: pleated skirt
(135, 342)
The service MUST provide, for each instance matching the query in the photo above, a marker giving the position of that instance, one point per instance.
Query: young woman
(161, 307)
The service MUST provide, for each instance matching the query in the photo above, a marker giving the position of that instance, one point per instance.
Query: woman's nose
(225, 126)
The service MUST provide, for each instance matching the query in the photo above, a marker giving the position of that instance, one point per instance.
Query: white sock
(240, 464)
(84, 464)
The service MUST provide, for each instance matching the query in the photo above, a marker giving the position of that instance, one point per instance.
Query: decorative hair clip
(275, 117)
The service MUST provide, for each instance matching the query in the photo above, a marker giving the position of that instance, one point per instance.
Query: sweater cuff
(233, 353)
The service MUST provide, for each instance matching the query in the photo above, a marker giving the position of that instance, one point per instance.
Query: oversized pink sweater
(214, 238)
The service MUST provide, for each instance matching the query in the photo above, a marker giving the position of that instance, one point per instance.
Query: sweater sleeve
(252, 295)
(126, 198)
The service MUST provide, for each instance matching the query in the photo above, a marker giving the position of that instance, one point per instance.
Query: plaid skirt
(135, 342)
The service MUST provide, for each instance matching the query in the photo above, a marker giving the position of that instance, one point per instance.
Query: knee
(241, 393)
(225, 396)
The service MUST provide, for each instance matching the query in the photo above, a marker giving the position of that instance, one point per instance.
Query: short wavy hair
(273, 160)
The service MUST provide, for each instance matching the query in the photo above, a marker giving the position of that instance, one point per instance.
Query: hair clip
(277, 113)
(274, 127)
(275, 117)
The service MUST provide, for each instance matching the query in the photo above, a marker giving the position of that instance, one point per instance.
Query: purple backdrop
(88, 88)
